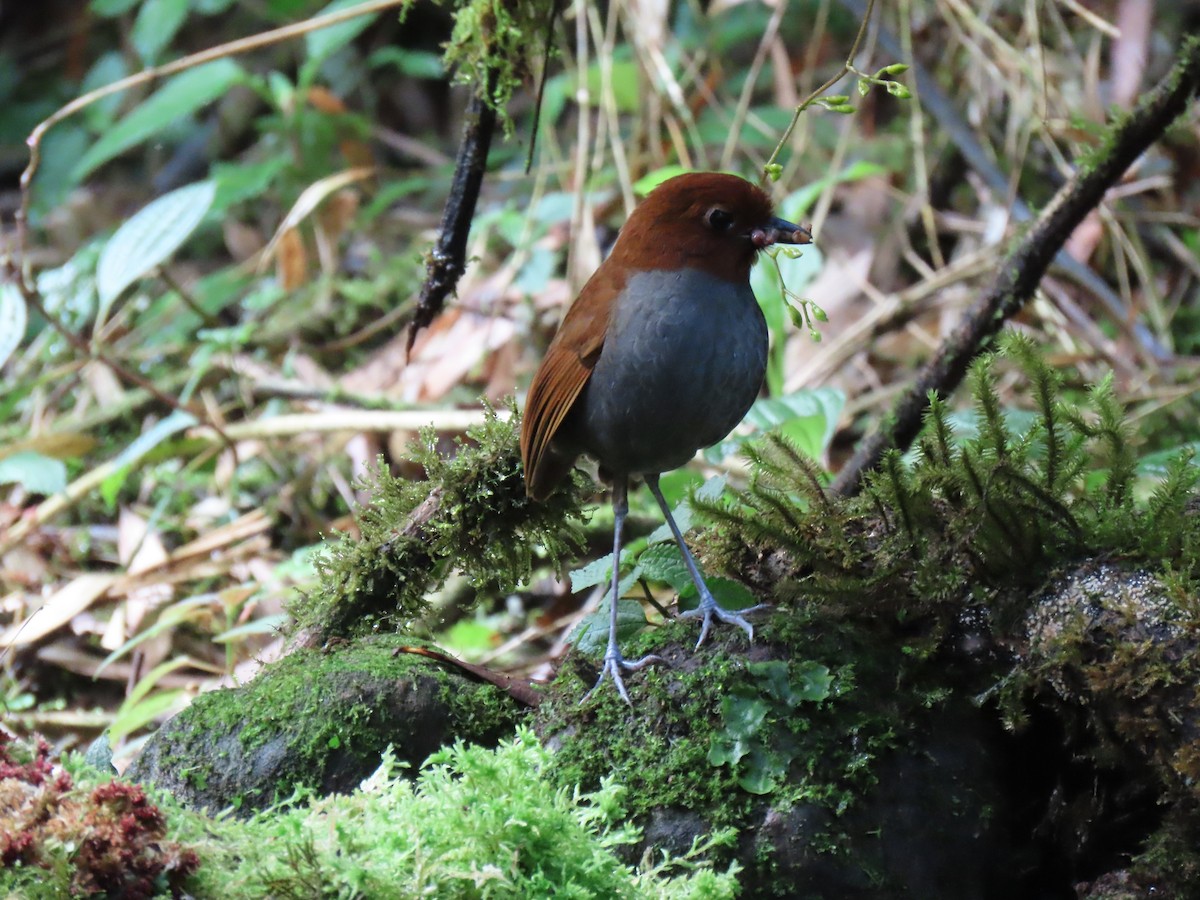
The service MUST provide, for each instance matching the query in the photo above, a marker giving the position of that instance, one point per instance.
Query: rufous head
(705, 220)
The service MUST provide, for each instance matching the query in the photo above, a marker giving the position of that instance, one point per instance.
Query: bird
(661, 354)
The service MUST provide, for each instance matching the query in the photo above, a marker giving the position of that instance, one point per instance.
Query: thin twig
(847, 66)
(1024, 268)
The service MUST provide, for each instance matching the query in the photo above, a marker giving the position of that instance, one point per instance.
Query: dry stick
(939, 106)
(1024, 267)
(447, 260)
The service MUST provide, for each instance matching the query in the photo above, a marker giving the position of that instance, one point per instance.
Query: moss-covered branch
(1023, 269)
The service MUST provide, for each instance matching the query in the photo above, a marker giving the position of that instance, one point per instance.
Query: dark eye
(718, 220)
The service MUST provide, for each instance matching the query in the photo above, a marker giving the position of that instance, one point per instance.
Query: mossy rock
(319, 720)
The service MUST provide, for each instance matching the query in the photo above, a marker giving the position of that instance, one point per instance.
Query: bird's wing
(561, 378)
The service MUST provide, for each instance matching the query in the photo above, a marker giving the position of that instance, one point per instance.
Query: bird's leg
(708, 607)
(614, 662)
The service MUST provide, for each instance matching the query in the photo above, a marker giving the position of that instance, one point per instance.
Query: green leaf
(625, 87)
(414, 63)
(111, 8)
(100, 115)
(729, 594)
(664, 562)
(14, 318)
(743, 716)
(651, 180)
(798, 203)
(803, 682)
(590, 636)
(143, 444)
(812, 681)
(239, 182)
(150, 237)
(36, 473)
(808, 417)
(130, 719)
(762, 772)
(326, 41)
(596, 572)
(175, 100)
(157, 23)
(265, 625)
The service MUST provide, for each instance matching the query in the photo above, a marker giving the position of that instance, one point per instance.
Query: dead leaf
(62, 606)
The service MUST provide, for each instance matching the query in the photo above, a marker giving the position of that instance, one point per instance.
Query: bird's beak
(779, 231)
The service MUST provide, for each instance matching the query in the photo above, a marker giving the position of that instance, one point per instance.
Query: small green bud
(773, 171)
(896, 89)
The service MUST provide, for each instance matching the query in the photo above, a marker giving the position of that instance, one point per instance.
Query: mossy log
(319, 720)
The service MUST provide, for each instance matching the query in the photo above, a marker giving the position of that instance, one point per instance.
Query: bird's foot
(710, 609)
(614, 662)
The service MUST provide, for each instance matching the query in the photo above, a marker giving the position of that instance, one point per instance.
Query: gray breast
(683, 360)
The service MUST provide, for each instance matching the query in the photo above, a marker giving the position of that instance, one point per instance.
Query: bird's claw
(709, 608)
(614, 662)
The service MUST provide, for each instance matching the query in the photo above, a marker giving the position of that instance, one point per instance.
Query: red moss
(119, 833)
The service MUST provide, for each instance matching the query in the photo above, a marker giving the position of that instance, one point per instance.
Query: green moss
(314, 715)
(876, 589)
(470, 515)
(474, 822)
(495, 42)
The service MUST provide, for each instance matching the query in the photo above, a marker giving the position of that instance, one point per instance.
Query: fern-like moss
(999, 510)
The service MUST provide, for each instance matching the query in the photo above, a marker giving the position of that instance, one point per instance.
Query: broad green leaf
(265, 625)
(729, 594)
(100, 115)
(590, 636)
(326, 41)
(797, 204)
(684, 517)
(36, 473)
(414, 63)
(742, 716)
(597, 571)
(150, 237)
(664, 562)
(178, 98)
(111, 8)
(238, 182)
(130, 719)
(762, 772)
(812, 681)
(175, 422)
(157, 23)
(808, 417)
(14, 318)
(625, 86)
(806, 681)
(651, 180)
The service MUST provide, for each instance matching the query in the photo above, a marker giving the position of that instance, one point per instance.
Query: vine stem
(847, 67)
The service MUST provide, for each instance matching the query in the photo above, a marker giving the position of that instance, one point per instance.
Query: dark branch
(447, 259)
(1023, 269)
